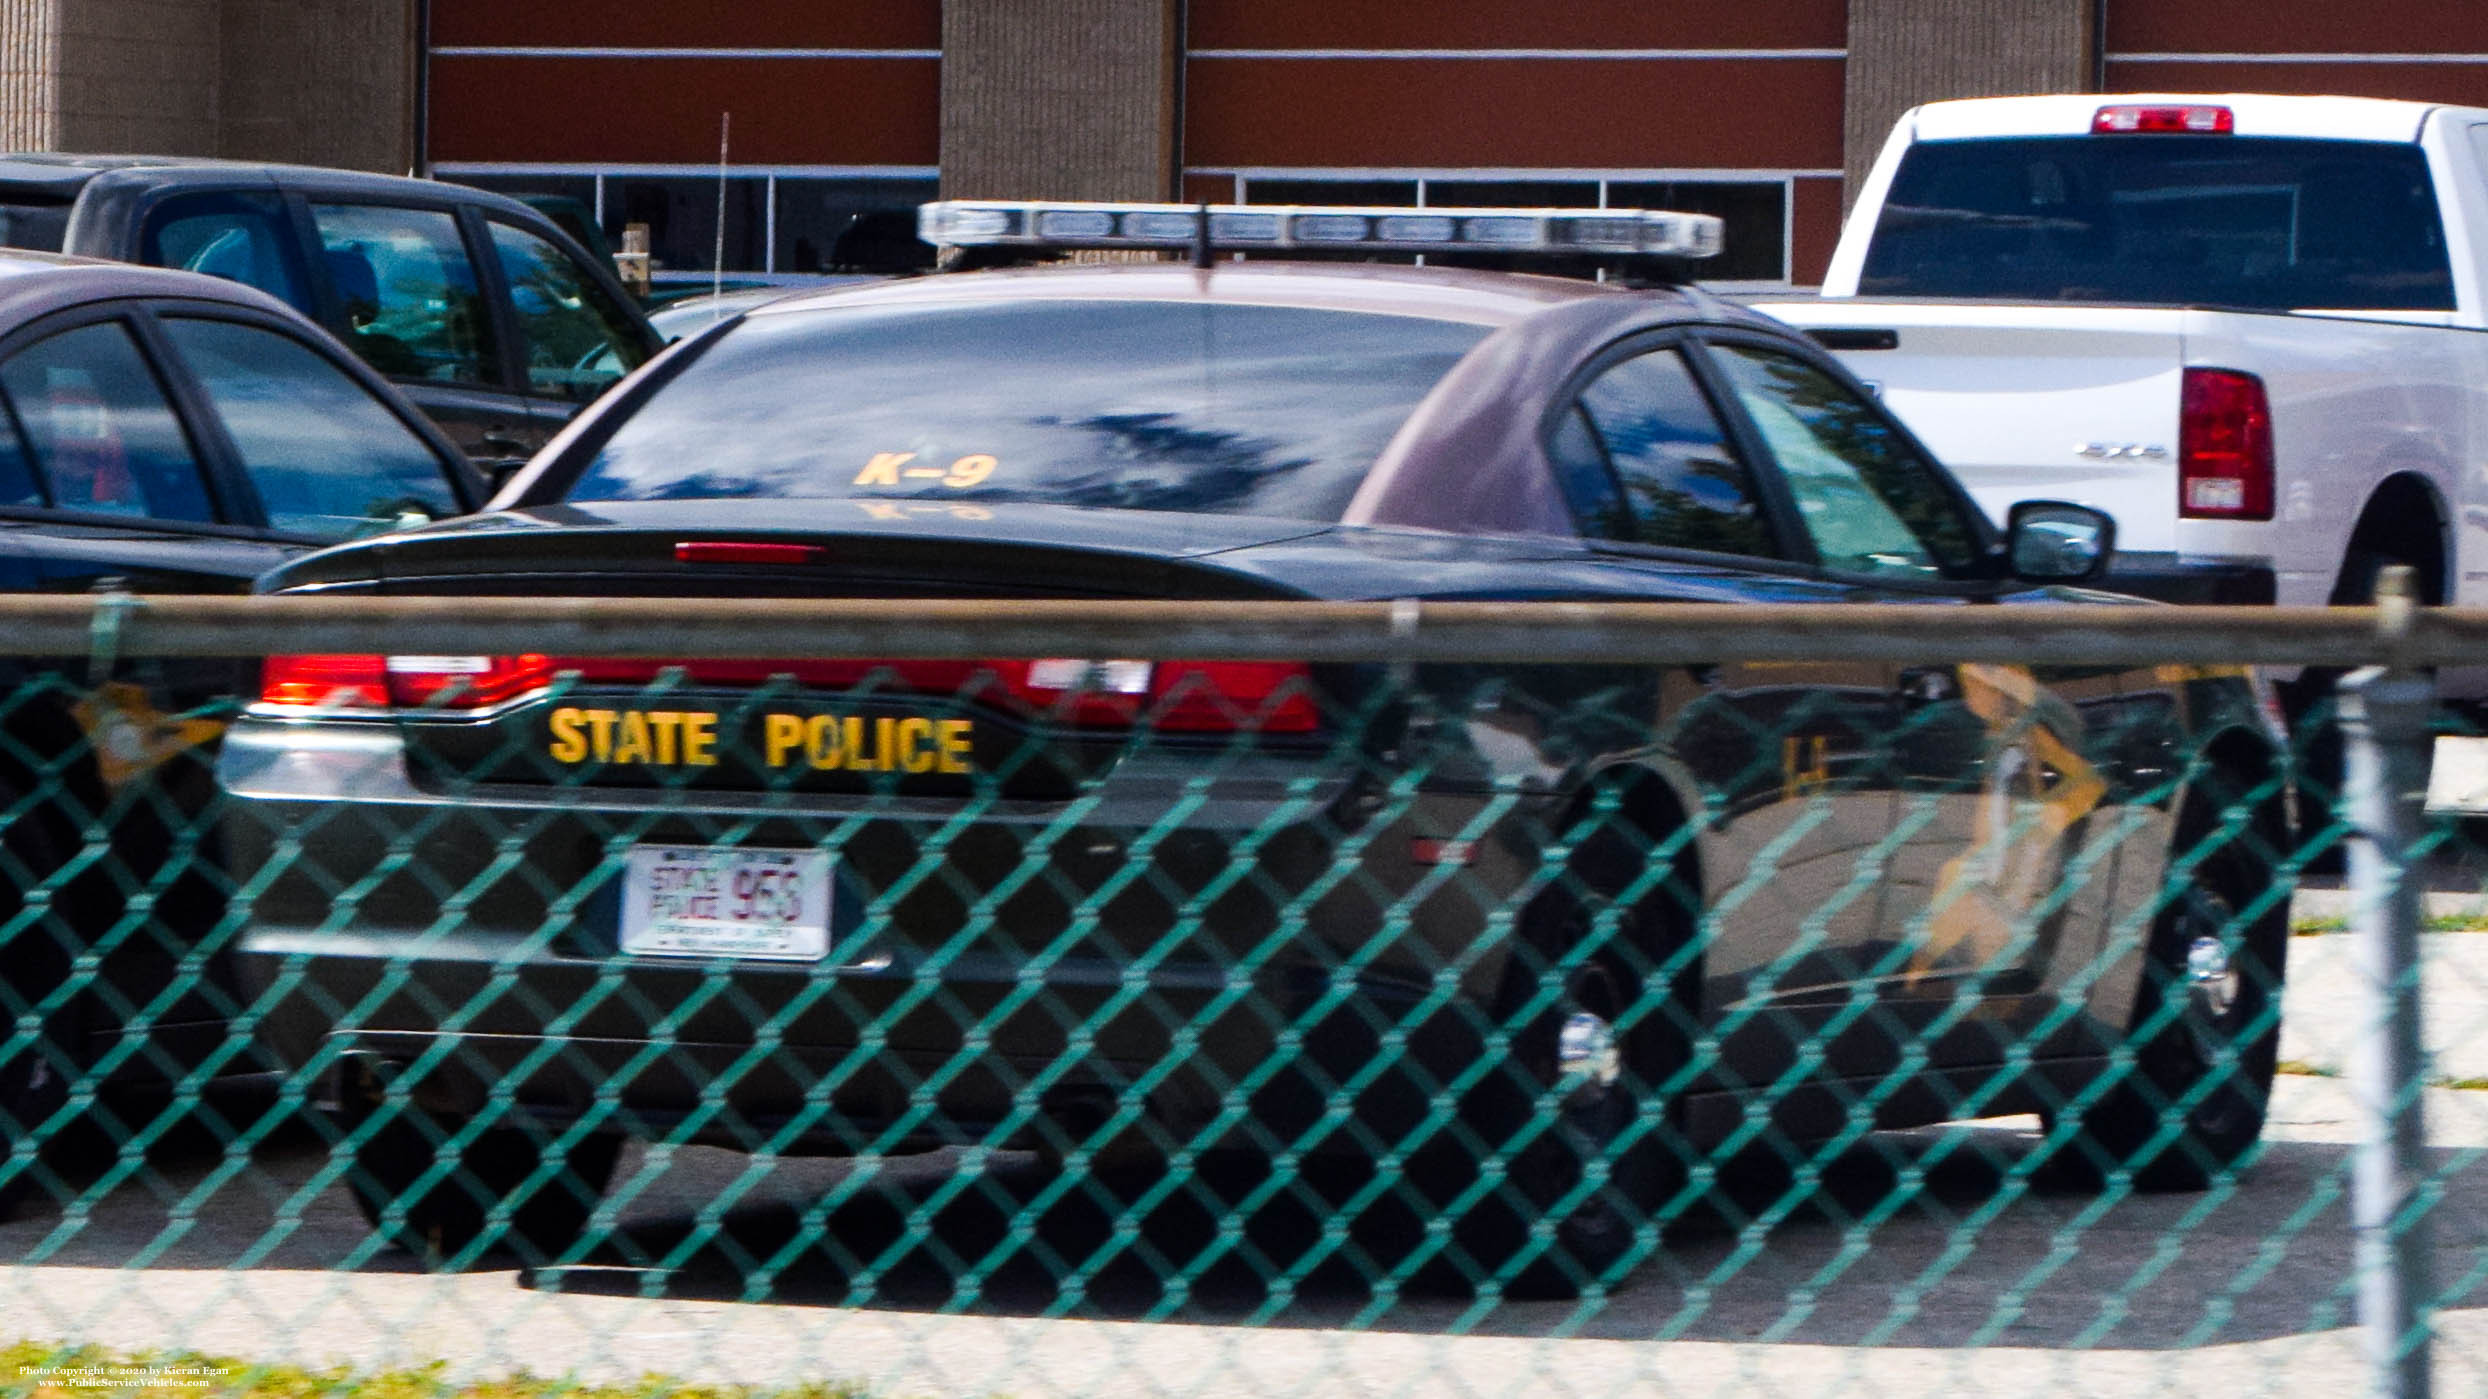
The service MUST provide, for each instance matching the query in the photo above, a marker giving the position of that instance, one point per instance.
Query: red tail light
(347, 682)
(2198, 120)
(377, 682)
(1172, 696)
(2224, 447)
(1251, 696)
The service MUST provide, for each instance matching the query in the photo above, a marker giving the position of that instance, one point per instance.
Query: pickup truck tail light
(2224, 447)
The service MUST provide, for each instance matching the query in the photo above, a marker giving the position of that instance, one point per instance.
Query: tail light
(1172, 696)
(2197, 119)
(379, 682)
(2224, 447)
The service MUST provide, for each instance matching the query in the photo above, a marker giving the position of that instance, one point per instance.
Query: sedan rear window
(2260, 223)
(1137, 405)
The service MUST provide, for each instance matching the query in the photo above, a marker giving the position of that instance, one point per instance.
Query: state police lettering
(825, 742)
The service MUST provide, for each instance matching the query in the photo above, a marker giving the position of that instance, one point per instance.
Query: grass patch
(2437, 923)
(2304, 1069)
(37, 1370)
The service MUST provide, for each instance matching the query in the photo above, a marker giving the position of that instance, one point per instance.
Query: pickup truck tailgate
(2028, 401)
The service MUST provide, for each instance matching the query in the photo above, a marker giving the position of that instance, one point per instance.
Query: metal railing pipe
(1216, 629)
(2384, 723)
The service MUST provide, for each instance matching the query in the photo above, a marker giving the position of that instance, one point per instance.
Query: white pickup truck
(2249, 327)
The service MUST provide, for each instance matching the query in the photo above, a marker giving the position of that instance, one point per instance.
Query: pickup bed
(2248, 327)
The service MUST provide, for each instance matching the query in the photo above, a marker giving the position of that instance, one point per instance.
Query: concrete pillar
(1904, 52)
(318, 82)
(1071, 99)
(136, 75)
(325, 82)
(29, 61)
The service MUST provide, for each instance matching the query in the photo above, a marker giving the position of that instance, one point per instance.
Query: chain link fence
(1473, 999)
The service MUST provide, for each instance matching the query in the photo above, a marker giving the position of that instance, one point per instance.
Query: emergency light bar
(966, 223)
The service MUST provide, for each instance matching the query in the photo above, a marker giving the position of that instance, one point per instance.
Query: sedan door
(1999, 867)
(104, 481)
(1789, 755)
(412, 305)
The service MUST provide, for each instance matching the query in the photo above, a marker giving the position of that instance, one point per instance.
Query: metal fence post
(2384, 723)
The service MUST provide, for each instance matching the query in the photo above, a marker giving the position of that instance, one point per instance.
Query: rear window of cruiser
(2154, 208)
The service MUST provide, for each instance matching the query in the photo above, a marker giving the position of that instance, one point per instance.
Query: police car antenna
(717, 265)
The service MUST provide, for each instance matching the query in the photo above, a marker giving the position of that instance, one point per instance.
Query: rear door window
(575, 340)
(1643, 460)
(327, 459)
(102, 435)
(413, 308)
(241, 237)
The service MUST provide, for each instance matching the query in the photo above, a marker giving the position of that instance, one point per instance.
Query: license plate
(715, 901)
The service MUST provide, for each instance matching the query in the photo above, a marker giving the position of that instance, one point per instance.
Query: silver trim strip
(588, 51)
(1561, 55)
(707, 170)
(2298, 58)
(1730, 174)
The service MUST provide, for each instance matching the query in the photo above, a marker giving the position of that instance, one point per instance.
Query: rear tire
(2205, 1032)
(1578, 1150)
(448, 1223)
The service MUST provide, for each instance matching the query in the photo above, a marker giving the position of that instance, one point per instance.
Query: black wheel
(2205, 1030)
(1564, 1151)
(449, 1221)
(35, 954)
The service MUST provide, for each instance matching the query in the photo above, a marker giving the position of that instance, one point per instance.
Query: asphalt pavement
(1920, 1263)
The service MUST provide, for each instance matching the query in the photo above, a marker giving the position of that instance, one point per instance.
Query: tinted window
(411, 304)
(1643, 458)
(101, 432)
(327, 459)
(576, 339)
(1871, 503)
(2199, 220)
(1143, 405)
(244, 238)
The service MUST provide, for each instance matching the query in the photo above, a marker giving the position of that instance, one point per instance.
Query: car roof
(1493, 299)
(62, 174)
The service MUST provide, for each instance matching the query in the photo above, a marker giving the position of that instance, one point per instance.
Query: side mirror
(2055, 541)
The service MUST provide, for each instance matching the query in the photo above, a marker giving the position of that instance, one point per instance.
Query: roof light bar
(2199, 120)
(1270, 227)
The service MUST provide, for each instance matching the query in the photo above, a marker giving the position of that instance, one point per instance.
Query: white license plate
(704, 901)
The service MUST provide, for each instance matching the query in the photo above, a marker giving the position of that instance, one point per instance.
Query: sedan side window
(1642, 458)
(577, 340)
(1871, 502)
(327, 458)
(242, 238)
(101, 433)
(412, 306)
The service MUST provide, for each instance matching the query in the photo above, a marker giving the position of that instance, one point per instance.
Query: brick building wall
(322, 81)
